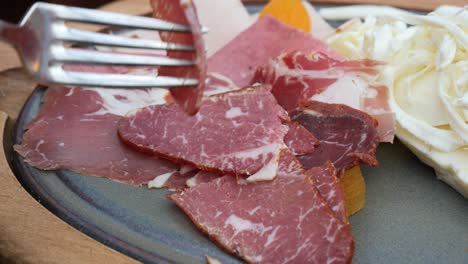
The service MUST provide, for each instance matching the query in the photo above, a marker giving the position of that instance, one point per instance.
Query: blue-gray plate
(410, 216)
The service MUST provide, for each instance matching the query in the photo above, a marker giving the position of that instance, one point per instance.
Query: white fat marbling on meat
(234, 112)
(186, 168)
(159, 181)
(267, 173)
(191, 181)
(240, 225)
(252, 212)
(218, 83)
(355, 87)
(121, 101)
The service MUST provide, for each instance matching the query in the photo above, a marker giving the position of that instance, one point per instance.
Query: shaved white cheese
(426, 72)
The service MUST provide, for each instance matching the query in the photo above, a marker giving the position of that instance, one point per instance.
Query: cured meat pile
(256, 162)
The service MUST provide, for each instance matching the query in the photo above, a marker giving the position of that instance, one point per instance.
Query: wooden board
(29, 233)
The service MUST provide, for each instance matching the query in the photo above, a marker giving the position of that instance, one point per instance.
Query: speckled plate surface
(410, 216)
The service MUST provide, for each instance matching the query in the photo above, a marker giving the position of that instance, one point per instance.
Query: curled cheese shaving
(418, 49)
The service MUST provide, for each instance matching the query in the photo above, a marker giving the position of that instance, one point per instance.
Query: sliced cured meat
(184, 12)
(330, 188)
(299, 140)
(319, 27)
(76, 129)
(223, 28)
(282, 221)
(347, 136)
(297, 77)
(265, 39)
(238, 133)
(202, 177)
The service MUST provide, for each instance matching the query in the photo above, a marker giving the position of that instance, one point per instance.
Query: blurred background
(13, 11)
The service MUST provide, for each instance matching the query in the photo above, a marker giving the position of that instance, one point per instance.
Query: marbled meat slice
(281, 221)
(347, 136)
(184, 12)
(330, 188)
(202, 177)
(76, 129)
(298, 77)
(299, 140)
(267, 38)
(238, 133)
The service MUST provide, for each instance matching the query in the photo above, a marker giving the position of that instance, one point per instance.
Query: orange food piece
(290, 12)
(355, 190)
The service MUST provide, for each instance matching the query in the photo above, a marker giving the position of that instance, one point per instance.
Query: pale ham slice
(222, 28)
(299, 77)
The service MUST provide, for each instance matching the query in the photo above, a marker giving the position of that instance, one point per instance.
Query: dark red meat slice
(265, 39)
(347, 136)
(281, 221)
(237, 133)
(202, 177)
(184, 12)
(77, 130)
(330, 188)
(299, 140)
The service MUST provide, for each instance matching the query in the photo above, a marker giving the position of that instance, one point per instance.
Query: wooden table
(28, 232)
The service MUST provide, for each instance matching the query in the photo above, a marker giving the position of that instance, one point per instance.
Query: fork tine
(63, 33)
(109, 18)
(66, 55)
(60, 76)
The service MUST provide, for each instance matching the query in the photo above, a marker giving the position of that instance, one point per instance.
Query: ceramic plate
(410, 216)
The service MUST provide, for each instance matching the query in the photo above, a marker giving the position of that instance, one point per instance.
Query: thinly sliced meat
(330, 188)
(237, 133)
(282, 221)
(299, 140)
(265, 39)
(222, 28)
(319, 27)
(202, 177)
(76, 129)
(184, 12)
(298, 77)
(347, 136)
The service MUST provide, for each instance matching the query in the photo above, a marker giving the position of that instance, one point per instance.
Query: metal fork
(40, 36)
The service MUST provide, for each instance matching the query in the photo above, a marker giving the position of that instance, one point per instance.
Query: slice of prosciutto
(235, 64)
(183, 12)
(298, 77)
(329, 186)
(76, 129)
(239, 133)
(281, 221)
(347, 136)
